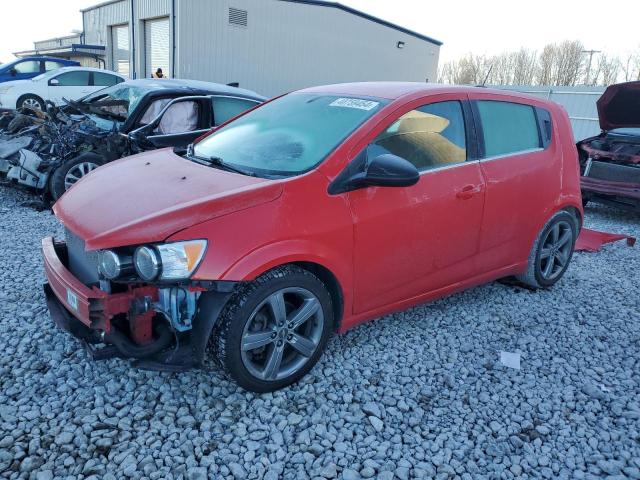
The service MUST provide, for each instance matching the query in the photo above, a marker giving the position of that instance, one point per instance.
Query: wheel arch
(311, 257)
(21, 98)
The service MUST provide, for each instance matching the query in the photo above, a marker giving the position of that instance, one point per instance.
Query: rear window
(508, 127)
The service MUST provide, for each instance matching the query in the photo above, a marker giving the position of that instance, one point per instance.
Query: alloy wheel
(76, 172)
(282, 334)
(556, 250)
(31, 103)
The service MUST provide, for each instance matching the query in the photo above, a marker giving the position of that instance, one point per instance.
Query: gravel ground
(417, 394)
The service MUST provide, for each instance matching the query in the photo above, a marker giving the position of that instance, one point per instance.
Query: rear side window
(49, 65)
(432, 136)
(104, 79)
(226, 108)
(508, 127)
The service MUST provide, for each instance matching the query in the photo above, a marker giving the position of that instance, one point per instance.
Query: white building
(271, 46)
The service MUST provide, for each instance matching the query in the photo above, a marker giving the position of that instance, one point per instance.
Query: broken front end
(610, 169)
(34, 144)
(103, 299)
(610, 162)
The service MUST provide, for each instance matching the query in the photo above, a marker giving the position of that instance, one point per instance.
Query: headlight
(109, 264)
(147, 263)
(170, 261)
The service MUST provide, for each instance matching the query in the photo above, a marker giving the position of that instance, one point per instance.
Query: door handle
(468, 192)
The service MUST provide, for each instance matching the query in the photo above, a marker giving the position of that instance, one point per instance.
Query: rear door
(521, 165)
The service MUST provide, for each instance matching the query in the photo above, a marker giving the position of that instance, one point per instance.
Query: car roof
(86, 69)
(40, 57)
(396, 90)
(196, 87)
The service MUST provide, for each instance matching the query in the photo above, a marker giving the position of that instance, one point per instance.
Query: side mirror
(385, 170)
(13, 71)
(54, 82)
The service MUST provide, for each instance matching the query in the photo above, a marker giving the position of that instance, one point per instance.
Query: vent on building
(237, 17)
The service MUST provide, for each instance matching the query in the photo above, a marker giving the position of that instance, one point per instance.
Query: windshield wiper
(214, 161)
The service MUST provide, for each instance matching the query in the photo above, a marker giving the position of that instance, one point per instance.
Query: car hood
(619, 106)
(16, 83)
(149, 197)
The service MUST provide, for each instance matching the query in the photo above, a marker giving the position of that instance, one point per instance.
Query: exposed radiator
(83, 265)
(614, 172)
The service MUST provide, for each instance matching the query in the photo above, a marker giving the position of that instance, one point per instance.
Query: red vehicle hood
(148, 197)
(619, 106)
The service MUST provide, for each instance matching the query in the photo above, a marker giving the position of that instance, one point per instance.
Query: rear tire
(552, 251)
(67, 174)
(274, 329)
(31, 101)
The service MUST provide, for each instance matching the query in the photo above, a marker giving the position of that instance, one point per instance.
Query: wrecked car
(610, 162)
(311, 214)
(50, 151)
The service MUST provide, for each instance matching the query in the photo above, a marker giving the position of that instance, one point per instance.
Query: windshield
(6, 65)
(49, 74)
(290, 135)
(129, 95)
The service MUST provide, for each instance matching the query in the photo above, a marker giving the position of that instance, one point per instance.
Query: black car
(51, 151)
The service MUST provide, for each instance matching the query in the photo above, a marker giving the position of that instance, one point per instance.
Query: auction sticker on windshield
(354, 103)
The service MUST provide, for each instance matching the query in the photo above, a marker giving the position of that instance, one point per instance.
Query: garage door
(156, 48)
(120, 48)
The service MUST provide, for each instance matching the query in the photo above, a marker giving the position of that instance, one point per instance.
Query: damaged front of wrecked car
(50, 151)
(610, 162)
(34, 145)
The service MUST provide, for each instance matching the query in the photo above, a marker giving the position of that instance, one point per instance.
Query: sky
(481, 27)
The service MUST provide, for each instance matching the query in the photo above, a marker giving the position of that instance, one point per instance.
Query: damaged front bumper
(128, 324)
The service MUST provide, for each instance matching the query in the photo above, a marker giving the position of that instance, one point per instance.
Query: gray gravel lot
(417, 394)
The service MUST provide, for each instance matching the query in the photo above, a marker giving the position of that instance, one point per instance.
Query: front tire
(274, 329)
(67, 174)
(552, 251)
(31, 101)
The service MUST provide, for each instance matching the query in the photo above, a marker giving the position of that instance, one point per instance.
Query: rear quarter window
(508, 127)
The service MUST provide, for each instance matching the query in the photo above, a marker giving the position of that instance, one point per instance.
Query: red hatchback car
(310, 214)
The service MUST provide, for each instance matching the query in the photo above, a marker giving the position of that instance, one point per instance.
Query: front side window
(73, 79)
(508, 127)
(30, 66)
(431, 136)
(226, 108)
(290, 135)
(180, 117)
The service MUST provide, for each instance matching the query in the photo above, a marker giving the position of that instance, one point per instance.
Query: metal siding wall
(578, 101)
(98, 23)
(287, 46)
(152, 8)
(56, 42)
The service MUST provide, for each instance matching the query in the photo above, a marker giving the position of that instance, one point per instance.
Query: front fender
(273, 255)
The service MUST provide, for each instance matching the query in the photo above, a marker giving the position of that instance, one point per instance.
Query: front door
(70, 85)
(413, 240)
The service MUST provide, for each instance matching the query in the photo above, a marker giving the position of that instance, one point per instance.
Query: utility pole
(591, 53)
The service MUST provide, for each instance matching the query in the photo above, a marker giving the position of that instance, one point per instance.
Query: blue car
(29, 67)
